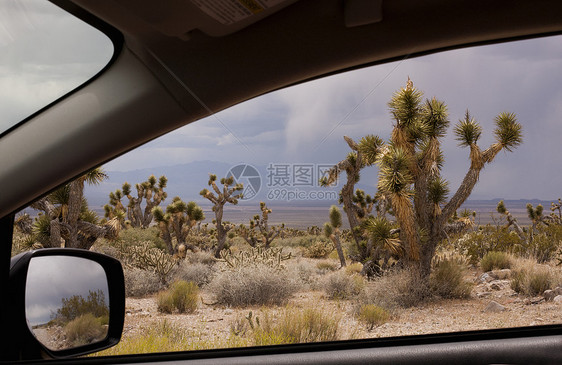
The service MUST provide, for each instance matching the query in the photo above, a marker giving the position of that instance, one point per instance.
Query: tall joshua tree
(179, 219)
(260, 233)
(65, 216)
(150, 193)
(410, 168)
(219, 197)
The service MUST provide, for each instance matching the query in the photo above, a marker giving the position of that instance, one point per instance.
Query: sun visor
(212, 17)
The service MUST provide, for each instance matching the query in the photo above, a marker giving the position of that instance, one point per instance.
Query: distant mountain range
(187, 180)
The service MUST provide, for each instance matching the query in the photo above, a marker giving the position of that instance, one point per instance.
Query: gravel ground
(211, 321)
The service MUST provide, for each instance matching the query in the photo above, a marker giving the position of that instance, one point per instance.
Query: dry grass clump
(354, 268)
(530, 278)
(447, 279)
(496, 260)
(84, 330)
(340, 285)
(326, 266)
(372, 315)
(182, 296)
(292, 325)
(252, 285)
(397, 289)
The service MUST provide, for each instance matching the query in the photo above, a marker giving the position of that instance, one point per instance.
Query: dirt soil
(212, 321)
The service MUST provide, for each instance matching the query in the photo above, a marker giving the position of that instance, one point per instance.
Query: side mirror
(64, 302)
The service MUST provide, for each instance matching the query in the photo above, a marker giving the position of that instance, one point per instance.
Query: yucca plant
(177, 222)
(66, 219)
(150, 194)
(230, 193)
(410, 166)
(259, 233)
(332, 231)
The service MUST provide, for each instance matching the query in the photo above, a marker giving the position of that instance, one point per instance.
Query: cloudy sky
(305, 123)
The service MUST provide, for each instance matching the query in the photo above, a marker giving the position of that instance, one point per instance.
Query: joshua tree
(511, 221)
(150, 192)
(177, 222)
(332, 231)
(65, 216)
(410, 168)
(229, 194)
(259, 233)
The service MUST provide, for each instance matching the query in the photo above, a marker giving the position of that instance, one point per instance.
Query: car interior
(176, 62)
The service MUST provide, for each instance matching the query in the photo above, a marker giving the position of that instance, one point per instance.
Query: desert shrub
(201, 257)
(397, 289)
(259, 256)
(252, 285)
(372, 315)
(339, 285)
(295, 325)
(447, 279)
(134, 236)
(306, 273)
(140, 283)
(530, 278)
(326, 265)
(198, 273)
(354, 268)
(475, 245)
(320, 249)
(495, 260)
(182, 296)
(544, 243)
(84, 330)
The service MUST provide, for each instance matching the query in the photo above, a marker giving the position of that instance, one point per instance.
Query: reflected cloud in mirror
(66, 301)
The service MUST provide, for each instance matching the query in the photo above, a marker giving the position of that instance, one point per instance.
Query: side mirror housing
(64, 302)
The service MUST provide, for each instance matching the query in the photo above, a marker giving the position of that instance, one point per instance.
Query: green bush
(182, 296)
(495, 260)
(475, 245)
(447, 279)
(134, 236)
(84, 330)
(373, 315)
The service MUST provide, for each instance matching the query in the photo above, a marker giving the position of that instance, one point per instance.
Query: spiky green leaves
(395, 176)
(501, 207)
(508, 131)
(467, 131)
(380, 231)
(328, 230)
(335, 216)
(370, 148)
(405, 106)
(534, 214)
(438, 189)
(159, 215)
(436, 118)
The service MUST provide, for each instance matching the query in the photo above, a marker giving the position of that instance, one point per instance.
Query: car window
(45, 53)
(415, 197)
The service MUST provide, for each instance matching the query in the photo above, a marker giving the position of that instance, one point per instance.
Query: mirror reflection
(66, 301)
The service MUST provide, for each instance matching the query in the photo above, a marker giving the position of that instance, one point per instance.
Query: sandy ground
(212, 321)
